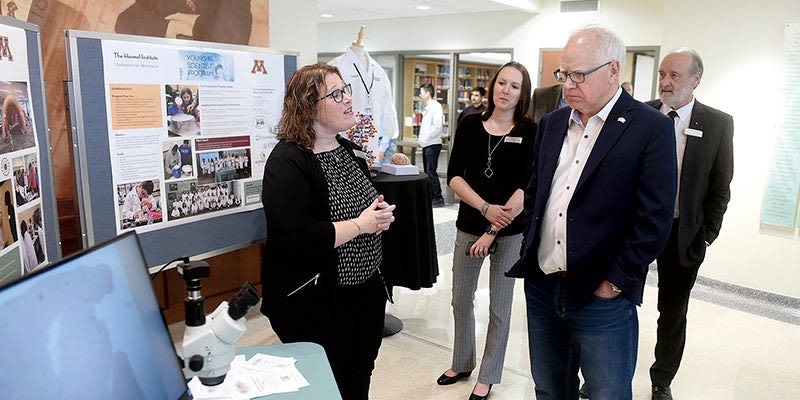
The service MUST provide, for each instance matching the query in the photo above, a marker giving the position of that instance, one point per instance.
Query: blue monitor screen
(88, 327)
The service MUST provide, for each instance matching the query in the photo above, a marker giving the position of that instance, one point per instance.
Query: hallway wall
(743, 76)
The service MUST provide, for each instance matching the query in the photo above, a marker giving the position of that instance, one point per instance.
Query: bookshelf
(420, 71)
(438, 72)
(469, 77)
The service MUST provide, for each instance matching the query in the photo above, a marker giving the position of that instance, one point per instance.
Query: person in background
(11, 215)
(38, 235)
(28, 252)
(172, 160)
(430, 139)
(628, 87)
(545, 100)
(475, 103)
(190, 103)
(598, 210)
(321, 266)
(387, 147)
(704, 138)
(186, 153)
(489, 167)
(15, 122)
(33, 177)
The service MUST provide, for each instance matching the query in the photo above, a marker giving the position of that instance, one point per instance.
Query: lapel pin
(621, 120)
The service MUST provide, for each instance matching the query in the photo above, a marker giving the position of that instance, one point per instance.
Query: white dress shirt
(432, 125)
(575, 150)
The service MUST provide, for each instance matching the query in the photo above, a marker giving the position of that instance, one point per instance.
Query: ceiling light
(326, 15)
(423, 7)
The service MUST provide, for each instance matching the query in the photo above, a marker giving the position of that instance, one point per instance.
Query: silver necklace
(488, 171)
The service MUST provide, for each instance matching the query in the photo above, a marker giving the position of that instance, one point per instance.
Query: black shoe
(449, 380)
(473, 396)
(661, 393)
(582, 392)
(438, 203)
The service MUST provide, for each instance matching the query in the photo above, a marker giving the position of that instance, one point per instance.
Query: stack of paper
(261, 375)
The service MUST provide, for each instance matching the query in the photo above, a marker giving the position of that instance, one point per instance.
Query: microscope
(209, 346)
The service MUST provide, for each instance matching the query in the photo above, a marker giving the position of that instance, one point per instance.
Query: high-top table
(409, 246)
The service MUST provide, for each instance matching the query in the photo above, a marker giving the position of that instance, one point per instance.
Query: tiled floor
(730, 354)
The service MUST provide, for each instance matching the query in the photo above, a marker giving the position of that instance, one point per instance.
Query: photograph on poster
(139, 203)
(32, 238)
(177, 157)
(26, 178)
(187, 199)
(183, 109)
(17, 127)
(223, 165)
(10, 262)
(8, 221)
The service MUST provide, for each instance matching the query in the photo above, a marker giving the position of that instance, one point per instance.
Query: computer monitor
(88, 327)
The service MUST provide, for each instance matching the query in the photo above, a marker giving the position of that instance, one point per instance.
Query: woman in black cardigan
(321, 265)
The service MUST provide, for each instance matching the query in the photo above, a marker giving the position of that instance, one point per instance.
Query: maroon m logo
(258, 67)
(5, 50)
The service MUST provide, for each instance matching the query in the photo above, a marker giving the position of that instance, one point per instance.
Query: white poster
(22, 239)
(189, 130)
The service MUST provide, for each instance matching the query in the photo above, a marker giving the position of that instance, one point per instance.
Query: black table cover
(409, 246)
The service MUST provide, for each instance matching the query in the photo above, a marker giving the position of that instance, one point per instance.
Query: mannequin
(372, 95)
(357, 47)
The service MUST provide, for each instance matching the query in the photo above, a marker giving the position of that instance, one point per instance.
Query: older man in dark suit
(704, 139)
(598, 210)
(544, 100)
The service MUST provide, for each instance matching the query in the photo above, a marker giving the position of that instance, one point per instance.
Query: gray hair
(609, 45)
(697, 62)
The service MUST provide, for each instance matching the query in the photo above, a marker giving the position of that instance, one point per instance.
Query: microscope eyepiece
(242, 301)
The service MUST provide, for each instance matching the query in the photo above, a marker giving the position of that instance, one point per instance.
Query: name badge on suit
(693, 132)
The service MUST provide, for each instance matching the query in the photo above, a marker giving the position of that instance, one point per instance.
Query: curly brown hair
(303, 91)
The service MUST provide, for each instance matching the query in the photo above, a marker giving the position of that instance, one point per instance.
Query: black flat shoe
(474, 396)
(449, 380)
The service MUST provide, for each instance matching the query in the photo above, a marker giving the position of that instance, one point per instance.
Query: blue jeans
(430, 160)
(389, 152)
(601, 338)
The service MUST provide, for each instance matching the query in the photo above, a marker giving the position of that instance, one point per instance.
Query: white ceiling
(360, 10)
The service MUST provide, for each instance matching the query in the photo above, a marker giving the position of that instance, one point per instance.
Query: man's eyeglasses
(577, 77)
(338, 94)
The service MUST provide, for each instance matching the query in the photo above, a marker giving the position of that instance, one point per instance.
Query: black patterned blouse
(350, 192)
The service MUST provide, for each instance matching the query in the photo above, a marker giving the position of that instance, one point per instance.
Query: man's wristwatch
(615, 288)
(491, 230)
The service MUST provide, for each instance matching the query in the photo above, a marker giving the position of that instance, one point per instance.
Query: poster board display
(29, 237)
(171, 138)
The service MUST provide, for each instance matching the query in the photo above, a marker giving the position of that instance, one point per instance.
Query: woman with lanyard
(490, 165)
(321, 263)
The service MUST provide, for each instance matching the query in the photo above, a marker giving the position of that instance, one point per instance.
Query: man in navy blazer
(704, 138)
(598, 211)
